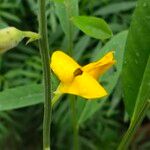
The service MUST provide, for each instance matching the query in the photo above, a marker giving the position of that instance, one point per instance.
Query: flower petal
(83, 85)
(63, 66)
(96, 69)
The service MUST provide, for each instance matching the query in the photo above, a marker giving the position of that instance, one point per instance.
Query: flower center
(77, 72)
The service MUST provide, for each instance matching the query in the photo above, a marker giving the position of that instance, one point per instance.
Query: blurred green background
(21, 129)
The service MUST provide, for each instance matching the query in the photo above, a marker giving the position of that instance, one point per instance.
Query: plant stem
(46, 72)
(134, 125)
(74, 122)
(69, 34)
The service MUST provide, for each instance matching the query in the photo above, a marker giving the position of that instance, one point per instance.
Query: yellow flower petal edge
(98, 68)
(79, 80)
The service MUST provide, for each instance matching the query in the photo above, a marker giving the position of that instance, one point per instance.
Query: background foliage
(103, 123)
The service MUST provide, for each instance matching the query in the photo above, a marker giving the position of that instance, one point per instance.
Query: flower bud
(10, 37)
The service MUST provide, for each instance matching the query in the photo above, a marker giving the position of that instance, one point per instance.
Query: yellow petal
(83, 85)
(63, 66)
(96, 69)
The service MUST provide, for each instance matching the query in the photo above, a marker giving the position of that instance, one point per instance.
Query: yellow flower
(78, 80)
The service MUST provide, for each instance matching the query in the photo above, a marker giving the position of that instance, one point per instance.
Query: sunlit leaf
(92, 26)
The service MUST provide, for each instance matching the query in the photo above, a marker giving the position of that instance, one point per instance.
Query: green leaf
(144, 91)
(136, 54)
(80, 47)
(117, 43)
(8, 6)
(141, 107)
(116, 97)
(115, 8)
(136, 70)
(92, 26)
(69, 9)
(10, 16)
(21, 97)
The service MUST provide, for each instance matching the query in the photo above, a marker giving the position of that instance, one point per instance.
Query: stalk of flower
(80, 80)
(10, 38)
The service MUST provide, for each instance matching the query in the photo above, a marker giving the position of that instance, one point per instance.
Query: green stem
(70, 39)
(74, 122)
(70, 29)
(30, 34)
(43, 42)
(134, 125)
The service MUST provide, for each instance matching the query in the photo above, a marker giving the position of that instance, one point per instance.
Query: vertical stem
(70, 39)
(46, 72)
(74, 122)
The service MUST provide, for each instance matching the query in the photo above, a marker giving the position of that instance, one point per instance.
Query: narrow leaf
(136, 54)
(141, 107)
(115, 8)
(21, 96)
